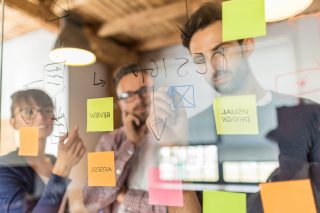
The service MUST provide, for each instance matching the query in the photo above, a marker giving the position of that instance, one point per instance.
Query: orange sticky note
(101, 170)
(288, 197)
(29, 141)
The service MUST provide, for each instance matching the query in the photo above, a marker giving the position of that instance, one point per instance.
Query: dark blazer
(22, 190)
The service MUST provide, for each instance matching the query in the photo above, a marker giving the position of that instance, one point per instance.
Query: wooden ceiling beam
(158, 42)
(313, 8)
(106, 51)
(109, 52)
(47, 3)
(61, 5)
(39, 13)
(151, 15)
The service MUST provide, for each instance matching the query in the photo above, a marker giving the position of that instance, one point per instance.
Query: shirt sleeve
(15, 199)
(100, 197)
(315, 150)
(138, 201)
(315, 155)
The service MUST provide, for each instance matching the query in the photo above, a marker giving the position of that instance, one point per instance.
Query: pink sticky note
(166, 193)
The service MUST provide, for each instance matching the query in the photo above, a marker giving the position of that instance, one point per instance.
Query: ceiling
(118, 30)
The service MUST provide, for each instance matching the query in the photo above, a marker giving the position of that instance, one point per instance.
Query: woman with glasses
(37, 183)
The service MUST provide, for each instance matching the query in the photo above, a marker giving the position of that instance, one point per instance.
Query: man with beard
(135, 150)
(288, 127)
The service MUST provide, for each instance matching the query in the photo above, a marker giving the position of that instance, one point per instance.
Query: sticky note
(243, 19)
(287, 196)
(161, 192)
(226, 202)
(29, 141)
(100, 114)
(101, 171)
(236, 115)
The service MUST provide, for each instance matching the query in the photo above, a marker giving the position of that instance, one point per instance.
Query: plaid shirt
(105, 198)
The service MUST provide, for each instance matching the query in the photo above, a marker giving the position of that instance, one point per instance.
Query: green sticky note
(243, 19)
(224, 202)
(100, 114)
(236, 115)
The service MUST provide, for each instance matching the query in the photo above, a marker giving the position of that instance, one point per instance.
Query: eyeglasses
(28, 114)
(129, 96)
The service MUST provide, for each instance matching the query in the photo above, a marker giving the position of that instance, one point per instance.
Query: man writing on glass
(288, 126)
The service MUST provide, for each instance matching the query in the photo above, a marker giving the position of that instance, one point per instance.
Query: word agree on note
(101, 170)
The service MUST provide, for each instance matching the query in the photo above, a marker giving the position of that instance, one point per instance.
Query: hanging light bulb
(277, 10)
(71, 46)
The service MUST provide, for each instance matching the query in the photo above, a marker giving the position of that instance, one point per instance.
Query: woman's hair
(41, 98)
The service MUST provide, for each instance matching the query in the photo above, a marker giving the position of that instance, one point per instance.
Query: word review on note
(101, 170)
(243, 19)
(29, 141)
(236, 115)
(100, 114)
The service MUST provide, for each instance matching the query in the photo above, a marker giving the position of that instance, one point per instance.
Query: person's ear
(248, 46)
(120, 104)
(13, 123)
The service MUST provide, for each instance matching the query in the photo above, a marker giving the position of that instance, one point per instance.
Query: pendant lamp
(72, 47)
(277, 10)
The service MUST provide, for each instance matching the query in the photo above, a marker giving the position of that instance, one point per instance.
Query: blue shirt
(22, 190)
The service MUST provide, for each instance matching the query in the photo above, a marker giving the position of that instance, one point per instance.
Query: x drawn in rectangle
(182, 96)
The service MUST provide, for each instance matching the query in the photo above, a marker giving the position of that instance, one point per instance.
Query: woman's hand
(69, 153)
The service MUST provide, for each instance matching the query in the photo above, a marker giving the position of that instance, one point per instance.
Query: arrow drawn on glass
(60, 122)
(54, 68)
(102, 82)
(55, 76)
(187, 15)
(33, 82)
(66, 12)
(157, 133)
(52, 83)
(302, 82)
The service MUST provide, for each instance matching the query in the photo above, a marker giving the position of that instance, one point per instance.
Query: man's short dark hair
(206, 15)
(133, 69)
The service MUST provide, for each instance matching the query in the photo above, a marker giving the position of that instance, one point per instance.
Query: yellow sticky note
(243, 19)
(29, 141)
(288, 196)
(236, 115)
(101, 169)
(100, 114)
(226, 202)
